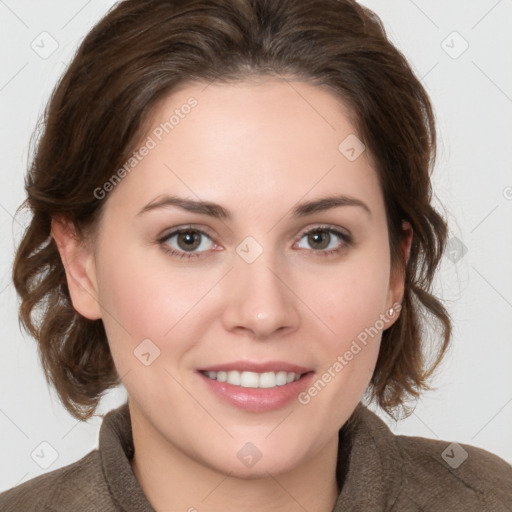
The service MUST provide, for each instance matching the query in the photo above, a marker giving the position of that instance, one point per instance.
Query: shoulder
(454, 474)
(79, 486)
(421, 474)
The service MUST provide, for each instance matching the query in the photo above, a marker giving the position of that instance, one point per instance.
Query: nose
(260, 302)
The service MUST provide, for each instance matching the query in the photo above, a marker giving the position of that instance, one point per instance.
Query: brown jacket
(377, 471)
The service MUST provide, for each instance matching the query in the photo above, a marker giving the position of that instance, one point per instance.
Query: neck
(173, 481)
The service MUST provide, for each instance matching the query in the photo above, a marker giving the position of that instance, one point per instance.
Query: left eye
(324, 239)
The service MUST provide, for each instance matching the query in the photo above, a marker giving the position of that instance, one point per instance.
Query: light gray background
(472, 96)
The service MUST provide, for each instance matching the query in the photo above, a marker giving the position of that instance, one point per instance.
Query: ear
(397, 278)
(78, 260)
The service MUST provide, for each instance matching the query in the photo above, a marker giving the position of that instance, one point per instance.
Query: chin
(248, 462)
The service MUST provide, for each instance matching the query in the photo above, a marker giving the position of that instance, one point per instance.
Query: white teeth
(234, 378)
(253, 379)
(267, 380)
(248, 380)
(281, 378)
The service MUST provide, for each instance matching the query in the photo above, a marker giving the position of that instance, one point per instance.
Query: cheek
(352, 304)
(353, 296)
(145, 298)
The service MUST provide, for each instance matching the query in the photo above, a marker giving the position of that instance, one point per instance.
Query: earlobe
(78, 260)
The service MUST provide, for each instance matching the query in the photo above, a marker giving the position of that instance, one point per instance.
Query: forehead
(249, 143)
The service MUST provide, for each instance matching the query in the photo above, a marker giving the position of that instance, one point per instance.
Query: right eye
(184, 242)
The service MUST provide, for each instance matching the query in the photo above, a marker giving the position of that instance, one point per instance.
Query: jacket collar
(116, 451)
(369, 469)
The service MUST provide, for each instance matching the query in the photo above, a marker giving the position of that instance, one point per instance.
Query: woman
(232, 217)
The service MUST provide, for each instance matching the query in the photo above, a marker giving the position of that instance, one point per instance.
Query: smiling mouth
(263, 380)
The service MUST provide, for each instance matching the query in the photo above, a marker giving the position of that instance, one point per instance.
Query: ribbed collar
(369, 465)
(368, 470)
(116, 451)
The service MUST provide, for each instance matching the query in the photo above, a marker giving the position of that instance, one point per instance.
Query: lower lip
(258, 399)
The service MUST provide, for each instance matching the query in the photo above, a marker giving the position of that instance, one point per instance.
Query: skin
(257, 149)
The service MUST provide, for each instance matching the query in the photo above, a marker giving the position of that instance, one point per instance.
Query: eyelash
(346, 239)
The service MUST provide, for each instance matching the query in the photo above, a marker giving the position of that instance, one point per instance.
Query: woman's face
(252, 293)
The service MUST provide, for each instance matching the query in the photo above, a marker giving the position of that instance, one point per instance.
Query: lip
(258, 367)
(257, 400)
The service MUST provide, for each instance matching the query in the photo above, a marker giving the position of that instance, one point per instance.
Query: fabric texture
(377, 471)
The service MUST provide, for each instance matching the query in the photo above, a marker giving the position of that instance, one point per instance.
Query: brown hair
(138, 54)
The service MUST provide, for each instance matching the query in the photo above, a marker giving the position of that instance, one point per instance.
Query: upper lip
(258, 367)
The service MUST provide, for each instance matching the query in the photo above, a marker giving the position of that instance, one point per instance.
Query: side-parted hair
(141, 52)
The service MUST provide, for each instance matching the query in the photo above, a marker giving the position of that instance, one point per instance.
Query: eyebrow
(217, 211)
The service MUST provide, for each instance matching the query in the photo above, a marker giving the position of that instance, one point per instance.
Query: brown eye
(326, 240)
(319, 239)
(189, 240)
(186, 242)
